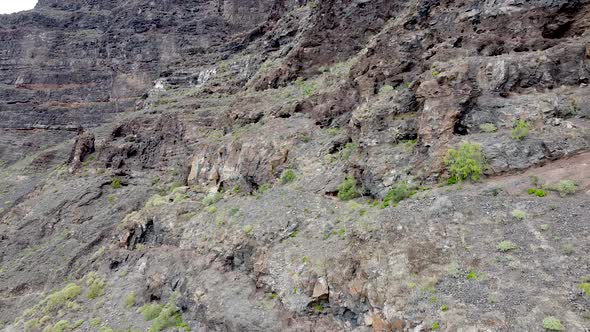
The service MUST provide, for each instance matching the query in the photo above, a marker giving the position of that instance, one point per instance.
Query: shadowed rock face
(70, 64)
(189, 154)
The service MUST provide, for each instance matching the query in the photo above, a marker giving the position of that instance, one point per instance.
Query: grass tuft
(552, 324)
(505, 246)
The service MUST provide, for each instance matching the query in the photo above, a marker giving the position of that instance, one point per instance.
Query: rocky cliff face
(254, 165)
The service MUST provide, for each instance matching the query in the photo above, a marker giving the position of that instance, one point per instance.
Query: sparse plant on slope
(488, 127)
(287, 176)
(552, 324)
(518, 214)
(385, 89)
(520, 130)
(347, 190)
(466, 162)
(116, 183)
(566, 187)
(130, 300)
(397, 194)
(212, 198)
(585, 287)
(505, 246)
(536, 192)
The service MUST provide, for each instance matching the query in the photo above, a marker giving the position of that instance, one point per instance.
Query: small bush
(248, 229)
(94, 322)
(58, 299)
(116, 183)
(385, 89)
(397, 194)
(566, 187)
(306, 88)
(471, 275)
(505, 246)
(347, 151)
(129, 300)
(61, 326)
(347, 190)
(212, 198)
(263, 188)
(95, 285)
(488, 127)
(518, 214)
(536, 192)
(435, 326)
(520, 130)
(444, 307)
(552, 324)
(150, 311)
(233, 211)
(333, 131)
(585, 287)
(467, 162)
(568, 249)
(287, 176)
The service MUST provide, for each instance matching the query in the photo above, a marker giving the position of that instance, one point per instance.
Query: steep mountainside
(295, 165)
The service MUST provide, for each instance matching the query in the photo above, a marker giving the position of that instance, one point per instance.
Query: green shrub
(444, 307)
(397, 194)
(435, 326)
(150, 311)
(306, 88)
(94, 322)
(347, 151)
(566, 187)
(212, 198)
(385, 89)
(174, 185)
(568, 249)
(287, 176)
(552, 324)
(333, 131)
(536, 192)
(162, 317)
(518, 214)
(488, 127)
(129, 300)
(95, 285)
(248, 229)
(347, 190)
(520, 129)
(585, 287)
(58, 299)
(264, 188)
(116, 183)
(233, 211)
(505, 246)
(61, 326)
(77, 324)
(155, 200)
(471, 275)
(467, 162)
